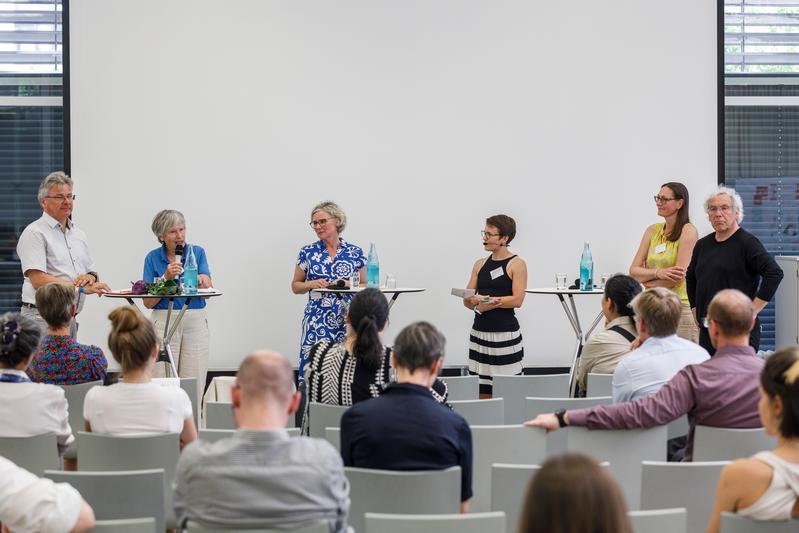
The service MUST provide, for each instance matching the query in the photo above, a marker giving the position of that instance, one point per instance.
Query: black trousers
(754, 338)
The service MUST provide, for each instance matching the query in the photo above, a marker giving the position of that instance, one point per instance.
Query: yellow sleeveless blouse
(663, 254)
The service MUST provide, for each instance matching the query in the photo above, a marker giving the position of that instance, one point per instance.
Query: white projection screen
(420, 117)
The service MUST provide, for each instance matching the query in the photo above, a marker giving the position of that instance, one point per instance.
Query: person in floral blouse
(60, 360)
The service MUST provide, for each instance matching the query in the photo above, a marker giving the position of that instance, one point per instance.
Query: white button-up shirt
(654, 363)
(29, 504)
(44, 246)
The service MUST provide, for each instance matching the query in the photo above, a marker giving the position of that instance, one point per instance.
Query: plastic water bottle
(586, 269)
(190, 272)
(372, 268)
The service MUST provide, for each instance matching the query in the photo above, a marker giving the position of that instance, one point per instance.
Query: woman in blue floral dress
(328, 259)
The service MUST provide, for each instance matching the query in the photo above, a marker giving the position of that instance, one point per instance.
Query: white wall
(420, 118)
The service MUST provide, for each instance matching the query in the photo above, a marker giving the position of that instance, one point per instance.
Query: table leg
(393, 299)
(165, 354)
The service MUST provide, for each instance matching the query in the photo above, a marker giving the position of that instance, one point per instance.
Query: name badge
(497, 272)
(660, 248)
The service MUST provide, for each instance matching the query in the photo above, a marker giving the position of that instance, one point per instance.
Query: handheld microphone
(178, 254)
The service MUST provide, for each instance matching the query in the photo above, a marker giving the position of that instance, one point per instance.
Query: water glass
(605, 278)
(560, 281)
(391, 282)
(355, 280)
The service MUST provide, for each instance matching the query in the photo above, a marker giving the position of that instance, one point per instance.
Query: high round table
(395, 292)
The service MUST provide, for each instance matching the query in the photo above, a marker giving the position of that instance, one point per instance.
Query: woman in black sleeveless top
(500, 280)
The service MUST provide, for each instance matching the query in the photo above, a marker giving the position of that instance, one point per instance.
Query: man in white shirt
(661, 354)
(52, 249)
(29, 504)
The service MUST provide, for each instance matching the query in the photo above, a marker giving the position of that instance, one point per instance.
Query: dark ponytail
(621, 289)
(368, 314)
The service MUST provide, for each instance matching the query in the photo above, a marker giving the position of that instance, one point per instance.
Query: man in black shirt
(405, 428)
(729, 258)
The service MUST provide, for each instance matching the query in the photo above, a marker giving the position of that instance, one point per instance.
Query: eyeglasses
(61, 198)
(487, 235)
(662, 199)
(321, 222)
(722, 208)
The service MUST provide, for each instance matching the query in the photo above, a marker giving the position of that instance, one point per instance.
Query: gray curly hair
(737, 203)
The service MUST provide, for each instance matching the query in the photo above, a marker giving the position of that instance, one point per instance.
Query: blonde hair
(132, 338)
(332, 209)
(659, 309)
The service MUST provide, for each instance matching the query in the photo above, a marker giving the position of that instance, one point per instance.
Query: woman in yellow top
(665, 252)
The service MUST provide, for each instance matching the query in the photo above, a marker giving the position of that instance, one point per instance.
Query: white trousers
(189, 345)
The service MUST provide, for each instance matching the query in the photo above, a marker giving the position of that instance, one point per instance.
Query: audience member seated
(406, 428)
(60, 360)
(721, 392)
(605, 348)
(573, 494)
(29, 504)
(661, 354)
(766, 486)
(260, 477)
(26, 408)
(137, 404)
(356, 369)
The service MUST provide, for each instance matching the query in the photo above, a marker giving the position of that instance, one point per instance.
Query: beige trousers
(189, 345)
(688, 329)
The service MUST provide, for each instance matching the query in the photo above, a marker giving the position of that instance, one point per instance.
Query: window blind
(761, 36)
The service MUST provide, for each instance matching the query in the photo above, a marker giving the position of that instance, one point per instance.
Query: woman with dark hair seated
(766, 486)
(356, 369)
(607, 347)
(573, 494)
(26, 408)
(61, 360)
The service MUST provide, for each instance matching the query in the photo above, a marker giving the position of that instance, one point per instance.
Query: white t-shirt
(125, 408)
(30, 504)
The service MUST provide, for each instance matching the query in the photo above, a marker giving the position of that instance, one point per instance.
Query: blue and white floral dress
(325, 314)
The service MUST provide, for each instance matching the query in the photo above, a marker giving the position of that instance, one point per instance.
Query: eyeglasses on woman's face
(662, 199)
(319, 223)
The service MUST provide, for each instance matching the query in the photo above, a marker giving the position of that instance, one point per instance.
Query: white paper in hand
(463, 293)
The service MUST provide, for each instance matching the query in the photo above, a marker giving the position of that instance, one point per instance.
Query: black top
(740, 262)
(493, 280)
(407, 429)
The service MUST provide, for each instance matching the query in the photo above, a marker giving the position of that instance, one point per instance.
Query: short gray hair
(332, 209)
(737, 203)
(418, 345)
(659, 309)
(165, 220)
(53, 178)
(54, 302)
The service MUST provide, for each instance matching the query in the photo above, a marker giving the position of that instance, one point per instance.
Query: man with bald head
(261, 477)
(721, 392)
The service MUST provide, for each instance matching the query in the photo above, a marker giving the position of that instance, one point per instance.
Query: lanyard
(13, 378)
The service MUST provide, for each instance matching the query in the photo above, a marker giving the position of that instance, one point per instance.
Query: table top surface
(381, 289)
(202, 293)
(553, 290)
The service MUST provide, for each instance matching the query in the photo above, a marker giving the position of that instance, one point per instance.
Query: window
(31, 123)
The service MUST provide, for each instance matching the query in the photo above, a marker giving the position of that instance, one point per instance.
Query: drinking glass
(560, 281)
(355, 280)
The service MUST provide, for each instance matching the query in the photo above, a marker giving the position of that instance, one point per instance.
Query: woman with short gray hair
(328, 259)
(61, 360)
(190, 342)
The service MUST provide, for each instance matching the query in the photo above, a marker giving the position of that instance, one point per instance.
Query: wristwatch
(95, 275)
(560, 415)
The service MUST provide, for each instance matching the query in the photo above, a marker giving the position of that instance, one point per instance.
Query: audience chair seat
(659, 521)
(451, 523)
(481, 412)
(726, 444)
(514, 389)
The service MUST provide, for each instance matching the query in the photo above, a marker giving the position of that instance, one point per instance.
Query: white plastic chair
(462, 387)
(125, 525)
(658, 521)
(321, 416)
(556, 441)
(219, 415)
(726, 444)
(599, 385)
(333, 436)
(514, 389)
(688, 485)
(35, 454)
(317, 527)
(509, 483)
(481, 412)
(733, 523)
(75, 395)
(449, 523)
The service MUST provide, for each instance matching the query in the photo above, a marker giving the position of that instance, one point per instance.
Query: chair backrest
(556, 441)
(75, 394)
(333, 436)
(213, 435)
(462, 387)
(688, 485)
(599, 385)
(733, 523)
(219, 415)
(514, 389)
(501, 444)
(120, 494)
(190, 386)
(321, 416)
(317, 527)
(658, 521)
(678, 428)
(448, 523)
(127, 525)
(100, 452)
(385, 491)
(624, 449)
(35, 454)
(481, 412)
(726, 444)
(509, 484)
